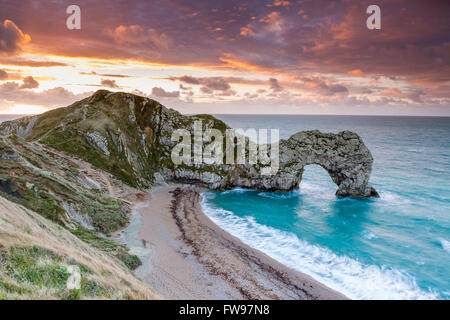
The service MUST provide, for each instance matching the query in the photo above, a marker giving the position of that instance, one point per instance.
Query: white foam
(346, 275)
(368, 235)
(317, 190)
(236, 190)
(393, 198)
(279, 195)
(445, 245)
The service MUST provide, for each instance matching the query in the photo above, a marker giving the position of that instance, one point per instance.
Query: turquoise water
(394, 247)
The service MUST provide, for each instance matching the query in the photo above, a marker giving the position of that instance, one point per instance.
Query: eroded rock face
(344, 156)
(130, 137)
(22, 127)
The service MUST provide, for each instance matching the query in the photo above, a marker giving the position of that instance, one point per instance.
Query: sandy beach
(186, 256)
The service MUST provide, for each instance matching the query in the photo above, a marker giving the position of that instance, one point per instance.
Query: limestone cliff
(130, 137)
(344, 156)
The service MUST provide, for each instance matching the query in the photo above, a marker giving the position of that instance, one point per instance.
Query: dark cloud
(31, 63)
(109, 83)
(333, 39)
(274, 85)
(11, 38)
(13, 93)
(208, 84)
(3, 75)
(188, 80)
(251, 95)
(416, 96)
(161, 93)
(184, 88)
(226, 93)
(29, 83)
(206, 90)
(323, 87)
(136, 34)
(215, 84)
(285, 41)
(330, 90)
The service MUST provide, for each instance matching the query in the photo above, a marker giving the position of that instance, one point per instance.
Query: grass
(120, 251)
(35, 255)
(137, 149)
(130, 260)
(39, 269)
(77, 145)
(94, 240)
(46, 182)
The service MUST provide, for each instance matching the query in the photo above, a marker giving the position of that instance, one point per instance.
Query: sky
(226, 56)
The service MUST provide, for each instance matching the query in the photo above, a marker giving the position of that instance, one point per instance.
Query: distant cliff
(131, 137)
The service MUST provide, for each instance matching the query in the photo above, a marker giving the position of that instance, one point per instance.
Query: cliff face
(85, 200)
(130, 137)
(344, 156)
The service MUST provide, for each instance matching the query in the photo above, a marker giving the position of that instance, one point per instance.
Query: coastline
(187, 256)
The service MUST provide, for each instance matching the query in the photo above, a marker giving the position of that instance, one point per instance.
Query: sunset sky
(255, 56)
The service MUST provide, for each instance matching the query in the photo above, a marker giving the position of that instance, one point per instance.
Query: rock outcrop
(82, 199)
(131, 137)
(344, 156)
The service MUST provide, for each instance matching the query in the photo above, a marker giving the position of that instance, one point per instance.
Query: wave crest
(341, 273)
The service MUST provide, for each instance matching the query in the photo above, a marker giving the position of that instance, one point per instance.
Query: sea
(393, 247)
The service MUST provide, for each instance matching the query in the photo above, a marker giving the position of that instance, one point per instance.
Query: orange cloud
(136, 34)
(29, 83)
(279, 3)
(31, 63)
(109, 83)
(247, 31)
(393, 92)
(3, 75)
(12, 38)
(270, 18)
(234, 63)
(357, 73)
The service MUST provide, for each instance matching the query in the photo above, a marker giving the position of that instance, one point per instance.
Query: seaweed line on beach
(185, 217)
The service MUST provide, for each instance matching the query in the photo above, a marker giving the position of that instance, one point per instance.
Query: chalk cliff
(131, 137)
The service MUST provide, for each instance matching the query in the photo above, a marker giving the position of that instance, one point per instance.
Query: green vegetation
(50, 185)
(33, 269)
(96, 241)
(218, 124)
(130, 260)
(120, 251)
(72, 143)
(47, 171)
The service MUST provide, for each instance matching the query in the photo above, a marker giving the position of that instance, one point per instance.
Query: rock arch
(343, 155)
